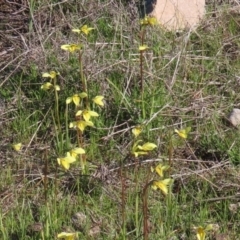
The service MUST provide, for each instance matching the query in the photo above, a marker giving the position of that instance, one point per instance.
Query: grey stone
(178, 14)
(234, 117)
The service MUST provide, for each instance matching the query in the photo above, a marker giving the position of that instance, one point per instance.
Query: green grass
(190, 80)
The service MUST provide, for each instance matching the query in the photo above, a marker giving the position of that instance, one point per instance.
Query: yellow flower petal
(162, 185)
(76, 151)
(76, 30)
(138, 153)
(147, 146)
(83, 95)
(152, 21)
(57, 87)
(143, 48)
(83, 124)
(99, 100)
(78, 113)
(52, 74)
(46, 86)
(144, 21)
(17, 147)
(148, 21)
(87, 114)
(85, 29)
(72, 124)
(183, 133)
(66, 236)
(137, 130)
(160, 169)
(201, 233)
(210, 227)
(68, 100)
(76, 99)
(66, 161)
(71, 47)
(142, 150)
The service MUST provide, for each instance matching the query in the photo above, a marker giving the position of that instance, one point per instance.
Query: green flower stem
(170, 150)
(56, 105)
(136, 214)
(83, 79)
(142, 35)
(66, 125)
(141, 71)
(145, 210)
(55, 128)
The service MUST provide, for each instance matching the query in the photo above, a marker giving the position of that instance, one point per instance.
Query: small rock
(79, 221)
(178, 14)
(234, 117)
(94, 231)
(35, 227)
(222, 237)
(234, 207)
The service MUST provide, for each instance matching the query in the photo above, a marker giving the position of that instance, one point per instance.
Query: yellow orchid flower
(137, 153)
(76, 98)
(66, 236)
(77, 30)
(147, 146)
(201, 232)
(78, 113)
(81, 125)
(76, 151)
(143, 48)
(99, 100)
(46, 86)
(183, 133)
(148, 21)
(137, 130)
(85, 29)
(152, 21)
(66, 161)
(51, 74)
(162, 185)
(17, 147)
(144, 21)
(142, 150)
(87, 114)
(71, 47)
(160, 168)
